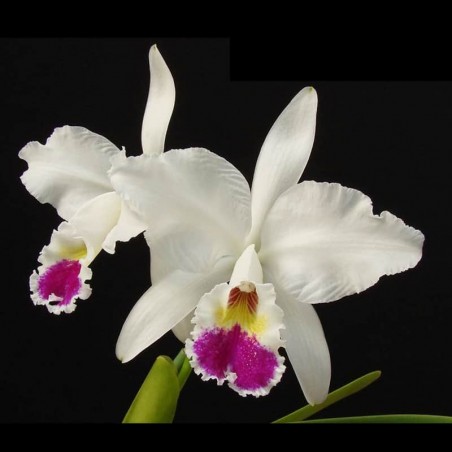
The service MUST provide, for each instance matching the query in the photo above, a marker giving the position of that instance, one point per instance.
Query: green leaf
(384, 419)
(156, 400)
(333, 397)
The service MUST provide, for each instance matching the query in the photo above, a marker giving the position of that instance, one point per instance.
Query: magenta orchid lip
(233, 354)
(236, 336)
(59, 285)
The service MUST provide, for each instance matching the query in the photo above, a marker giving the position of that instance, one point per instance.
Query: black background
(390, 140)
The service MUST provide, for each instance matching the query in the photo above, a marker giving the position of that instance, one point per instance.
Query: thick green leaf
(156, 400)
(333, 397)
(384, 419)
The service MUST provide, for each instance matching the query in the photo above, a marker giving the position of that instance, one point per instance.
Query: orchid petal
(83, 236)
(183, 329)
(69, 170)
(164, 305)
(173, 249)
(283, 156)
(128, 225)
(191, 188)
(160, 104)
(322, 242)
(95, 221)
(306, 346)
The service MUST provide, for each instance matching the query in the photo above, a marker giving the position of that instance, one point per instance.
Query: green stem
(335, 396)
(179, 359)
(183, 368)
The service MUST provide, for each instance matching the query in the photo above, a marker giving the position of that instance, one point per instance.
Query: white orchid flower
(71, 173)
(287, 245)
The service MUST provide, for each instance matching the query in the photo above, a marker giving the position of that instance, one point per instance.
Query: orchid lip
(236, 337)
(59, 285)
(234, 355)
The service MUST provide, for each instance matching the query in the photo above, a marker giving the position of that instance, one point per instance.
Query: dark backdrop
(389, 139)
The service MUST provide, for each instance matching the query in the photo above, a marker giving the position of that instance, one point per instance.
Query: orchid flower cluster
(235, 271)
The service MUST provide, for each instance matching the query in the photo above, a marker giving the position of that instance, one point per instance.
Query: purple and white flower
(70, 172)
(235, 272)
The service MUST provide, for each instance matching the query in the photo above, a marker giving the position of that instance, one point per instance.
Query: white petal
(191, 187)
(164, 305)
(81, 238)
(69, 170)
(322, 242)
(247, 268)
(185, 247)
(129, 225)
(95, 221)
(306, 346)
(283, 156)
(183, 329)
(159, 107)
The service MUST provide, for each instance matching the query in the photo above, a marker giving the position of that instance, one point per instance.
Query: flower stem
(183, 368)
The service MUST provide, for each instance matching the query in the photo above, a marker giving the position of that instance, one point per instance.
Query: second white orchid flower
(253, 263)
(71, 173)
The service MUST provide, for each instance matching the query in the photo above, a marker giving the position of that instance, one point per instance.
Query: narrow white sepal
(160, 104)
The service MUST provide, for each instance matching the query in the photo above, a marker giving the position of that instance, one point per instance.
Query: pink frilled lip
(59, 285)
(237, 337)
(235, 356)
